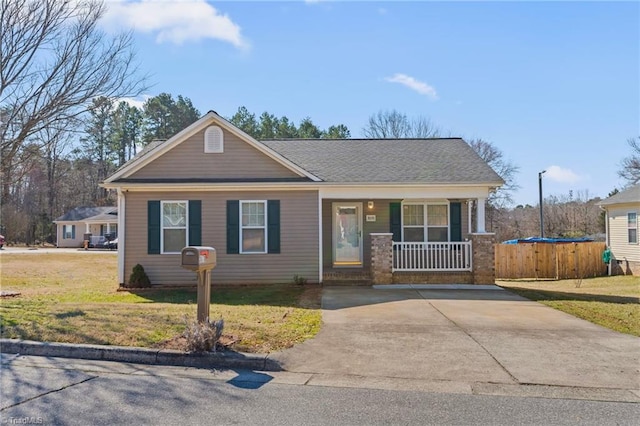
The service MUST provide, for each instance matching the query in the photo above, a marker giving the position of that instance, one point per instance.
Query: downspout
(121, 235)
(320, 239)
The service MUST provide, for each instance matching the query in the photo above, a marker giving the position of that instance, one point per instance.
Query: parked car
(111, 245)
(1, 241)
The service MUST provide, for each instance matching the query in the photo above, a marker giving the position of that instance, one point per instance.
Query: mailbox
(198, 258)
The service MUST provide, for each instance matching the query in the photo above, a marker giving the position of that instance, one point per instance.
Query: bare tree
(394, 125)
(53, 61)
(502, 166)
(630, 170)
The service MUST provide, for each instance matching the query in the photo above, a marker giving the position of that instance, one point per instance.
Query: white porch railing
(454, 256)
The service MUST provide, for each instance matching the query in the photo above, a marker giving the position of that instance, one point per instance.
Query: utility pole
(540, 202)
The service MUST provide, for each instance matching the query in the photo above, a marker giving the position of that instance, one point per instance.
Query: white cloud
(174, 21)
(559, 174)
(416, 85)
(133, 101)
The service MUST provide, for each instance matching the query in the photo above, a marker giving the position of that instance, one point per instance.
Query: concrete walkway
(487, 339)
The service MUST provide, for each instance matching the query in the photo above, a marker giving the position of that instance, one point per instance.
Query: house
(622, 210)
(354, 210)
(97, 221)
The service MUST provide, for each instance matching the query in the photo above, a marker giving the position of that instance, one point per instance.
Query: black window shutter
(233, 226)
(195, 222)
(73, 232)
(153, 227)
(455, 220)
(273, 226)
(395, 220)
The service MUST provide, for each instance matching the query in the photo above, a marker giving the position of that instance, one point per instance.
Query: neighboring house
(622, 211)
(97, 221)
(325, 210)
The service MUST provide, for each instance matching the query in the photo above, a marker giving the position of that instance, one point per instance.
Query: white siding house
(623, 223)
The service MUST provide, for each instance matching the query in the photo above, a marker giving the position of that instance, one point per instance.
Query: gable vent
(213, 140)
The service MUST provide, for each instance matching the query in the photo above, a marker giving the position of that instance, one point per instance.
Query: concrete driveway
(481, 338)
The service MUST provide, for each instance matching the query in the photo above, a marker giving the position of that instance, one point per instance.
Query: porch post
(108, 228)
(480, 216)
(381, 258)
(87, 229)
(469, 215)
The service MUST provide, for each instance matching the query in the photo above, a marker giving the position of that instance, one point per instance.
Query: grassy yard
(611, 302)
(73, 297)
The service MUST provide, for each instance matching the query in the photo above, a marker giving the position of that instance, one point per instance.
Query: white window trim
(632, 227)
(425, 225)
(162, 228)
(242, 227)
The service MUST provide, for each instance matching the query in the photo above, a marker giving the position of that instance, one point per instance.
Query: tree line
(64, 126)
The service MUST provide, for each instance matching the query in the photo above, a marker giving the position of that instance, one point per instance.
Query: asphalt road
(74, 392)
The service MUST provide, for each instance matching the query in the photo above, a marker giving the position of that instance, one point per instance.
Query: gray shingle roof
(629, 195)
(434, 161)
(84, 212)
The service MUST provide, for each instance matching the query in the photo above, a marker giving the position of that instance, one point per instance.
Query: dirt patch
(311, 297)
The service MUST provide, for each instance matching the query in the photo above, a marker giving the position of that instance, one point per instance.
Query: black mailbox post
(201, 260)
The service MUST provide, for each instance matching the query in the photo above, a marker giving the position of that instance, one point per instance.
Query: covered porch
(429, 239)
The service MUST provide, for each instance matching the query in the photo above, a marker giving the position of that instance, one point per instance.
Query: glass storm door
(347, 234)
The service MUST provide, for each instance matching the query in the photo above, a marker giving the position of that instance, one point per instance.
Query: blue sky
(555, 86)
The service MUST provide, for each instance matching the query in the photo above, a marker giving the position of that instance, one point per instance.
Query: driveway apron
(490, 336)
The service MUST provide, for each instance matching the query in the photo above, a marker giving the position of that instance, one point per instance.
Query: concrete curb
(260, 362)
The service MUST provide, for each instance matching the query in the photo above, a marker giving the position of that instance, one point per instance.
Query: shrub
(203, 336)
(299, 280)
(139, 277)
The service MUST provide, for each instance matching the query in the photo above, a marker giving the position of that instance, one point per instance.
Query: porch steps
(346, 278)
(329, 283)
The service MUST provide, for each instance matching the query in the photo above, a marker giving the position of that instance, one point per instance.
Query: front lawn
(611, 302)
(73, 297)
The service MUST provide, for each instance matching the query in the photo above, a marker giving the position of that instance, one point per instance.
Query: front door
(347, 234)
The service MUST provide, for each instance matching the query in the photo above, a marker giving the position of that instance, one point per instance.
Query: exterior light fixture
(370, 205)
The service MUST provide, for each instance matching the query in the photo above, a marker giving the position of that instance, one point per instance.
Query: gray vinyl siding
(382, 224)
(298, 238)
(618, 232)
(188, 160)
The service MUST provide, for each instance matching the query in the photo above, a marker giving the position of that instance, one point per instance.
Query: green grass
(612, 302)
(73, 297)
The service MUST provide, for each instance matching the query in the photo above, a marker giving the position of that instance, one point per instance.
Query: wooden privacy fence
(550, 260)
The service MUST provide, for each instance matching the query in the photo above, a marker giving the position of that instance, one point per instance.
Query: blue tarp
(548, 240)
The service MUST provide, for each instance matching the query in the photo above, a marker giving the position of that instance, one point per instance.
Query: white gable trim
(201, 124)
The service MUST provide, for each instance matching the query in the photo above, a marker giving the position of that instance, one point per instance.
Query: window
(213, 140)
(253, 226)
(68, 232)
(632, 227)
(413, 220)
(425, 222)
(174, 226)
(437, 223)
